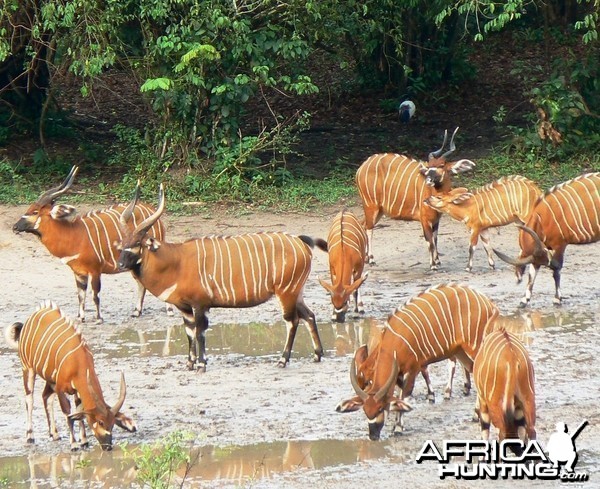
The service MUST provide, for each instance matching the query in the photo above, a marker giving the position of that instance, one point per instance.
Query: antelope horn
(539, 246)
(49, 195)
(128, 212)
(517, 262)
(122, 392)
(354, 381)
(452, 145)
(436, 154)
(100, 404)
(150, 220)
(381, 393)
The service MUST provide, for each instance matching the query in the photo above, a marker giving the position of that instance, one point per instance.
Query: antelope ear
(459, 199)
(462, 166)
(125, 422)
(77, 416)
(356, 284)
(152, 244)
(63, 211)
(349, 405)
(400, 405)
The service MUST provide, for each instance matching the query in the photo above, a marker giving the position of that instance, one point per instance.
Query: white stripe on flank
(67, 259)
(166, 293)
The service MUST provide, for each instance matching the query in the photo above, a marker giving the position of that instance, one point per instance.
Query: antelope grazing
(397, 186)
(347, 247)
(222, 271)
(444, 321)
(364, 372)
(566, 214)
(504, 378)
(85, 243)
(504, 201)
(51, 347)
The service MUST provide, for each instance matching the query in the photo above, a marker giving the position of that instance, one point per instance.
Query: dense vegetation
(201, 69)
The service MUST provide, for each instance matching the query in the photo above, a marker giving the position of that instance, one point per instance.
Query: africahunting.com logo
(507, 459)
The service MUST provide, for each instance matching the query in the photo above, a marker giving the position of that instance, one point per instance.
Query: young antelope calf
(347, 248)
(504, 201)
(51, 347)
(504, 378)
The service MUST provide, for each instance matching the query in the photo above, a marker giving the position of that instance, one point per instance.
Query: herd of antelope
(446, 321)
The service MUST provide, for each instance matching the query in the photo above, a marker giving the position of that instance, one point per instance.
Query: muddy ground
(285, 418)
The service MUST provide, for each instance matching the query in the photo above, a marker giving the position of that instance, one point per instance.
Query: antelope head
(101, 418)
(340, 294)
(437, 170)
(538, 255)
(44, 208)
(376, 402)
(135, 241)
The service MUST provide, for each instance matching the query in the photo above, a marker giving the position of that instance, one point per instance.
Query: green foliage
(157, 463)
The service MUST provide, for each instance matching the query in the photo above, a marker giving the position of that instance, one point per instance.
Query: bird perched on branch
(406, 110)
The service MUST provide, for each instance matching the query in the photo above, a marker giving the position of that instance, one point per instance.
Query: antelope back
(103, 231)
(504, 378)
(569, 211)
(347, 245)
(496, 204)
(393, 183)
(248, 269)
(49, 344)
(435, 323)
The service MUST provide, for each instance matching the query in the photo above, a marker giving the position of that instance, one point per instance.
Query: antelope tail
(12, 334)
(312, 242)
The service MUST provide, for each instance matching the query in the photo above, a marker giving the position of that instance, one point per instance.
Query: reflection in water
(339, 339)
(95, 468)
(238, 465)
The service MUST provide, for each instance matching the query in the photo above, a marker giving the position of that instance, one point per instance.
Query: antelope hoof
(282, 363)
(435, 267)
(317, 358)
(523, 303)
(202, 368)
(98, 321)
(170, 311)
(431, 397)
(447, 395)
(371, 261)
(468, 269)
(190, 364)
(30, 440)
(136, 313)
(84, 445)
(557, 301)
(54, 437)
(466, 390)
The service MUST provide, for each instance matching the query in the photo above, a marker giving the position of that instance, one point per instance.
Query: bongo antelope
(51, 347)
(397, 186)
(86, 244)
(221, 271)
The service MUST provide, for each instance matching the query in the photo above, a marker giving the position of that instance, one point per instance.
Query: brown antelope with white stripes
(364, 371)
(505, 382)
(347, 249)
(51, 347)
(509, 199)
(568, 213)
(86, 244)
(397, 186)
(222, 271)
(445, 321)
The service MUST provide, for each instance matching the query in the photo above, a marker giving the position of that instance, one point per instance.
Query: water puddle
(239, 465)
(260, 339)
